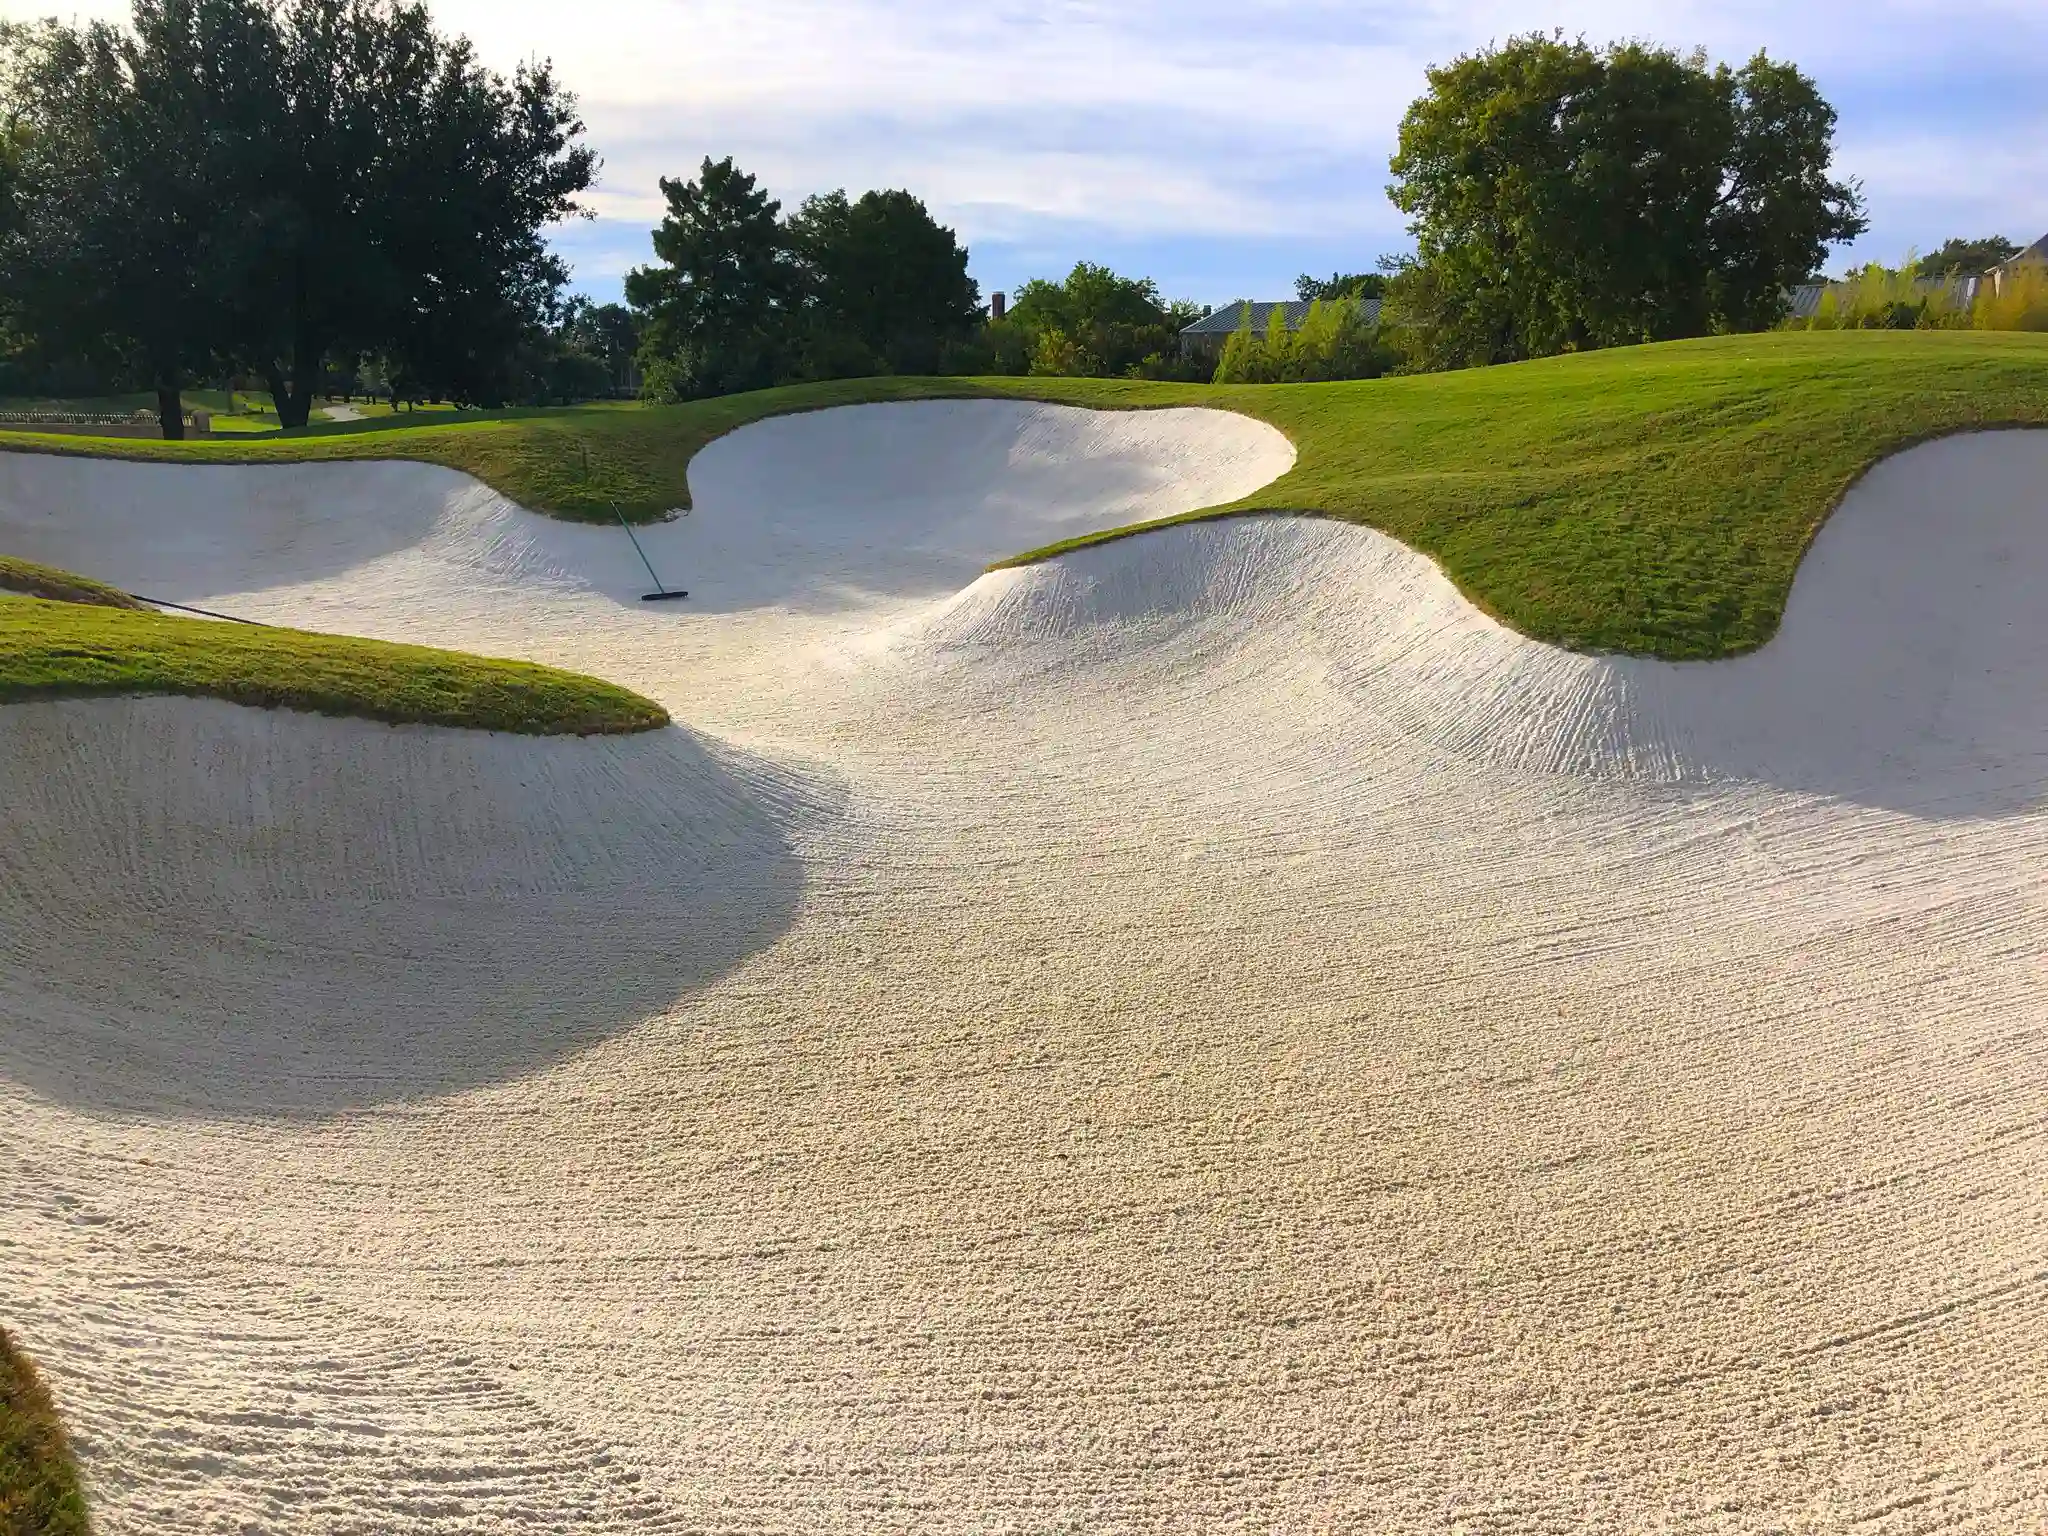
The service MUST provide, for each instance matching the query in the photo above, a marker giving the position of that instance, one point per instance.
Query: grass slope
(25, 576)
(1647, 499)
(1654, 500)
(66, 650)
(39, 1492)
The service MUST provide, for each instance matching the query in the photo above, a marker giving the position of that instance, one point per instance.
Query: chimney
(997, 304)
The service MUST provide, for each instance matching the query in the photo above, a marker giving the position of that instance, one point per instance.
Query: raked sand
(1209, 1033)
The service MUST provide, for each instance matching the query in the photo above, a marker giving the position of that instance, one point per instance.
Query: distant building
(2035, 255)
(1805, 300)
(1208, 334)
(1965, 286)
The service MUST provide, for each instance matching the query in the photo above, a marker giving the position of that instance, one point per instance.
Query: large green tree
(607, 335)
(1564, 198)
(282, 187)
(720, 306)
(496, 163)
(886, 285)
(115, 250)
(13, 141)
(397, 203)
(316, 219)
(1340, 285)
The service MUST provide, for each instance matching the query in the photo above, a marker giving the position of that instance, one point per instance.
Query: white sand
(1209, 1033)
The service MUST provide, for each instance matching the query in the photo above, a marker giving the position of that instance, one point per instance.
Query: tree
(606, 334)
(1967, 258)
(114, 250)
(719, 310)
(1563, 198)
(1779, 211)
(1340, 285)
(886, 285)
(13, 141)
(398, 202)
(496, 164)
(614, 335)
(285, 186)
(313, 230)
(1099, 324)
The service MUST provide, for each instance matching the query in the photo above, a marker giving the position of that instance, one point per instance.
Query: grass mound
(66, 650)
(1650, 499)
(1654, 500)
(32, 580)
(39, 1492)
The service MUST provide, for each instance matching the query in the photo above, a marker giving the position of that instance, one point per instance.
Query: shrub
(1334, 342)
(2018, 302)
(1879, 298)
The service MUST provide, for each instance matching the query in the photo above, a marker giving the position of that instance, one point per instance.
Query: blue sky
(1219, 148)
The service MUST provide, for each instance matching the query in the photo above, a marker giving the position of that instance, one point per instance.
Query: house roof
(2037, 252)
(1223, 321)
(1804, 301)
(1293, 311)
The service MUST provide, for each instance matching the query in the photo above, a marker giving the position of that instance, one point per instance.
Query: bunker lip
(1905, 675)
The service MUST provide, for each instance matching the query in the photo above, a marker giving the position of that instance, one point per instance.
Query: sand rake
(660, 594)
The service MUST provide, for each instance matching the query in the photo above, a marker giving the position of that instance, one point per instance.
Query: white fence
(145, 418)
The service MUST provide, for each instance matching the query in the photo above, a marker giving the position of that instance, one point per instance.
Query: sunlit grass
(39, 1488)
(80, 649)
(32, 580)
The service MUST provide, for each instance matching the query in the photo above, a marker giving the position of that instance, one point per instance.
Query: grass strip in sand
(70, 649)
(31, 580)
(39, 1492)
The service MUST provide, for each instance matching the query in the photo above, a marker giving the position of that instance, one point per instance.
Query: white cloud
(1201, 120)
(1197, 119)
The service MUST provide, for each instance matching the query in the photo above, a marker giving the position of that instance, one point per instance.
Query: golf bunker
(1205, 1032)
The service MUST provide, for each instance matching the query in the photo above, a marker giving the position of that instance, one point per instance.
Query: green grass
(32, 580)
(67, 650)
(39, 1491)
(1648, 499)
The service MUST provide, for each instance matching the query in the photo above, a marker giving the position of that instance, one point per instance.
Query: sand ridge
(1207, 1033)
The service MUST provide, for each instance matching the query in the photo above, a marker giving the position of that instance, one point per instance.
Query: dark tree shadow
(196, 976)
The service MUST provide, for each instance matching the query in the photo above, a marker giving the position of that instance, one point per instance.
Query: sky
(1217, 146)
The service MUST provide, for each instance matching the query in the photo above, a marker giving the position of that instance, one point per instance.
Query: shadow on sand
(276, 939)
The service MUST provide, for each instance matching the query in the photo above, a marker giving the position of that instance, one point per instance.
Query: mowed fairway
(1206, 1032)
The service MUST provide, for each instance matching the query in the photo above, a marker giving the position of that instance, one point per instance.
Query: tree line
(742, 297)
(269, 186)
(1561, 198)
(316, 192)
